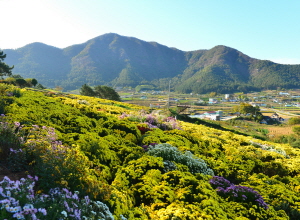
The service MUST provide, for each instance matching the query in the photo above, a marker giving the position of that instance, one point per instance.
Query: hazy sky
(263, 29)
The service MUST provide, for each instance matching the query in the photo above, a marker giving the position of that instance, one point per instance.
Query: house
(254, 104)
(174, 99)
(212, 101)
(284, 93)
(267, 120)
(275, 116)
(264, 122)
(211, 115)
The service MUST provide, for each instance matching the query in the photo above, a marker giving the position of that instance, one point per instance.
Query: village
(275, 105)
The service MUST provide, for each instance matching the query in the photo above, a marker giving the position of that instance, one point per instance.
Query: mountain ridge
(116, 60)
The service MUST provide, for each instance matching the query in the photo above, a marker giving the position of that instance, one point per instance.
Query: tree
(106, 92)
(40, 86)
(212, 94)
(5, 70)
(28, 81)
(34, 82)
(296, 129)
(245, 108)
(17, 76)
(87, 90)
(103, 92)
(21, 82)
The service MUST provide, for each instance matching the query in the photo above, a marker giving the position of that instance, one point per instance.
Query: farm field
(275, 131)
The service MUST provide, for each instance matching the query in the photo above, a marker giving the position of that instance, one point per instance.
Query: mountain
(117, 60)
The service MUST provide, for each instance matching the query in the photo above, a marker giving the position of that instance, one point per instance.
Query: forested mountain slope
(126, 61)
(149, 166)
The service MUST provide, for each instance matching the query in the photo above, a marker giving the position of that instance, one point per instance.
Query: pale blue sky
(263, 29)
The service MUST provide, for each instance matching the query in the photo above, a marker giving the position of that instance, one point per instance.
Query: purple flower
(87, 200)
(43, 211)
(77, 213)
(237, 193)
(219, 181)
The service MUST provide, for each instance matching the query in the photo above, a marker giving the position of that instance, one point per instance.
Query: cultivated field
(275, 131)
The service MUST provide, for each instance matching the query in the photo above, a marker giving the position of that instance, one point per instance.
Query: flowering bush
(237, 193)
(56, 164)
(9, 90)
(143, 129)
(18, 200)
(147, 147)
(60, 165)
(153, 120)
(11, 142)
(269, 148)
(170, 153)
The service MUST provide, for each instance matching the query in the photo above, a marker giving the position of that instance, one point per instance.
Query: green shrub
(170, 153)
(294, 121)
(11, 140)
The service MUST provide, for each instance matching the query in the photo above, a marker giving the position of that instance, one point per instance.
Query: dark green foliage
(40, 86)
(87, 90)
(5, 70)
(105, 92)
(34, 82)
(17, 76)
(31, 82)
(21, 82)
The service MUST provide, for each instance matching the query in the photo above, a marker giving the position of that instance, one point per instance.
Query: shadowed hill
(117, 60)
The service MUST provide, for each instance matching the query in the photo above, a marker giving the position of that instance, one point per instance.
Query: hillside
(126, 61)
(143, 165)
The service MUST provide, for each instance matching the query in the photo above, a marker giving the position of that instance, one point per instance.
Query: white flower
(18, 216)
(64, 213)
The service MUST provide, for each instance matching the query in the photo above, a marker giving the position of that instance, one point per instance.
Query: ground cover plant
(20, 201)
(80, 144)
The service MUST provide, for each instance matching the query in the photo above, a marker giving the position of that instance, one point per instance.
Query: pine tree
(87, 90)
(5, 70)
(106, 92)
